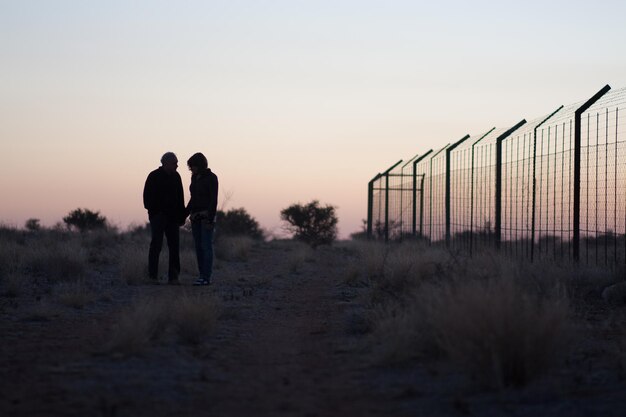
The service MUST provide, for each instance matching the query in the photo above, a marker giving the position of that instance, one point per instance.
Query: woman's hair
(198, 160)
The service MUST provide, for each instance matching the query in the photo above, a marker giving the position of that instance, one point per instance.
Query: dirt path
(292, 357)
(280, 348)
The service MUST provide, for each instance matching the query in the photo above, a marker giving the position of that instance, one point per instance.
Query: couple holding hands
(163, 197)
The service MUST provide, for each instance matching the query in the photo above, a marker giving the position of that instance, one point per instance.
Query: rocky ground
(290, 340)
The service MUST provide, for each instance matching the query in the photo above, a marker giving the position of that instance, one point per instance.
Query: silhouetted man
(163, 198)
(203, 208)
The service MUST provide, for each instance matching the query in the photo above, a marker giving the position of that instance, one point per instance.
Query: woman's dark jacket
(163, 193)
(203, 191)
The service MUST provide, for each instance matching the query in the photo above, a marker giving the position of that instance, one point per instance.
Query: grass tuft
(134, 264)
(138, 325)
(194, 317)
(59, 262)
(190, 317)
(234, 248)
(493, 318)
(498, 330)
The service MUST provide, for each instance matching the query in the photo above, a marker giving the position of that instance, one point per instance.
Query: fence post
(471, 234)
(386, 207)
(498, 197)
(370, 204)
(386, 175)
(414, 225)
(577, 151)
(532, 222)
(447, 200)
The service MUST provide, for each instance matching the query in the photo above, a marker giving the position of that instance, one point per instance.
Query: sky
(289, 100)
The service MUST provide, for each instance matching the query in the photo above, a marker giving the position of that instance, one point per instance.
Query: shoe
(201, 281)
(173, 282)
(154, 281)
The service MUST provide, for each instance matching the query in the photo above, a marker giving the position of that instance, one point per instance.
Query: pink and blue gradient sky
(289, 100)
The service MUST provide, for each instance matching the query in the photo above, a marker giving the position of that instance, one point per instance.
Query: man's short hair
(168, 157)
(198, 160)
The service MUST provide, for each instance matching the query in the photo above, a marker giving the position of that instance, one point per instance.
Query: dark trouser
(161, 224)
(203, 238)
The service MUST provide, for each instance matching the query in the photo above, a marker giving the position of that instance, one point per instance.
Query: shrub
(32, 225)
(85, 219)
(237, 222)
(311, 223)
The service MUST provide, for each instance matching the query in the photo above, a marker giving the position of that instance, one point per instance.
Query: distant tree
(85, 219)
(238, 222)
(32, 225)
(311, 223)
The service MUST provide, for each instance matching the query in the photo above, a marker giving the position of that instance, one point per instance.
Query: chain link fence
(552, 188)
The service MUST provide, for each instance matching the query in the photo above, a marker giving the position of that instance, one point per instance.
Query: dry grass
(299, 254)
(234, 248)
(57, 261)
(134, 264)
(498, 330)
(74, 294)
(393, 271)
(372, 258)
(133, 261)
(102, 246)
(138, 326)
(352, 276)
(11, 256)
(194, 317)
(189, 317)
(491, 317)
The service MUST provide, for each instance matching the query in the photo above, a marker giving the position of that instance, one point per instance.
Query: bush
(311, 223)
(237, 222)
(32, 225)
(85, 219)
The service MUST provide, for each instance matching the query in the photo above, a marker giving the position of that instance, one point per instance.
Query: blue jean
(203, 238)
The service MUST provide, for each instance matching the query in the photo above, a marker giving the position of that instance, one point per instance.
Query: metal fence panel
(519, 193)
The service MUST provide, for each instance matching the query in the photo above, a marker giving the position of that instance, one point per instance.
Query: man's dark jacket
(203, 191)
(163, 193)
